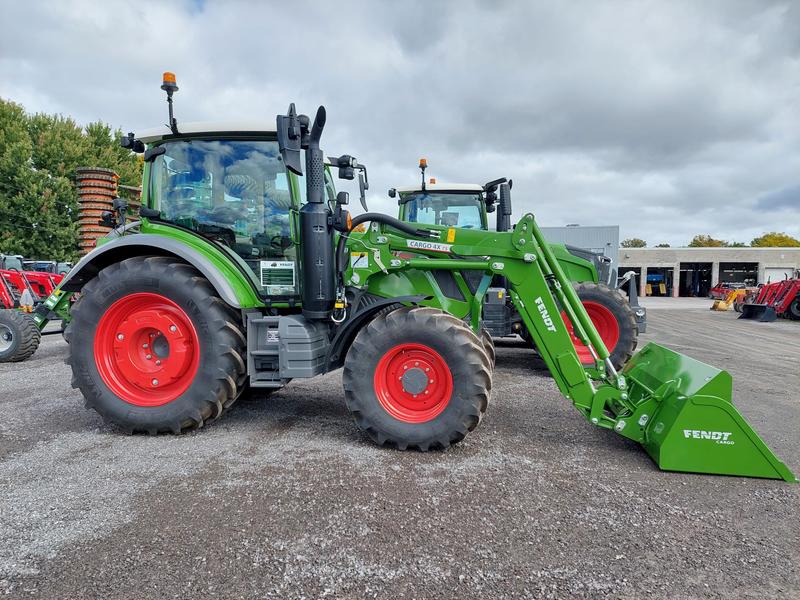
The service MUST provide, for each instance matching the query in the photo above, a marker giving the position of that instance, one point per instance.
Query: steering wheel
(283, 242)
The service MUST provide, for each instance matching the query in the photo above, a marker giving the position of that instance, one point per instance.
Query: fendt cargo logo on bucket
(721, 437)
(545, 315)
(433, 246)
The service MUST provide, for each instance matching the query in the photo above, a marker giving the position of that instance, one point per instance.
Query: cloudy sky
(667, 118)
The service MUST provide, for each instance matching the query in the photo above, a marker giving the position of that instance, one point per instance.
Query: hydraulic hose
(379, 218)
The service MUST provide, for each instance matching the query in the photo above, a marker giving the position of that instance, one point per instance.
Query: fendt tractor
(244, 271)
(618, 319)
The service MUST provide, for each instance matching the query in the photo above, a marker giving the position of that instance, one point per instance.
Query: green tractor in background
(245, 272)
(618, 318)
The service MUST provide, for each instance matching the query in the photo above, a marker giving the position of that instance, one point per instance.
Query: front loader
(618, 319)
(233, 280)
(779, 299)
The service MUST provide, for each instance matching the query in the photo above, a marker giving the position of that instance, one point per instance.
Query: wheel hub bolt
(149, 356)
(155, 382)
(173, 329)
(145, 345)
(158, 362)
(120, 337)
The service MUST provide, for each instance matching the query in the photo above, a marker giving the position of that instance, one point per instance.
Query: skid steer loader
(231, 280)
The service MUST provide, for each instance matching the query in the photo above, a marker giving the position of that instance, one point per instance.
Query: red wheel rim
(606, 324)
(146, 349)
(413, 383)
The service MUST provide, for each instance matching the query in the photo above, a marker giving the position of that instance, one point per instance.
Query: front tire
(794, 309)
(488, 346)
(158, 350)
(417, 378)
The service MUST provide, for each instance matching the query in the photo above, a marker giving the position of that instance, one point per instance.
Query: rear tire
(417, 378)
(614, 319)
(19, 336)
(159, 351)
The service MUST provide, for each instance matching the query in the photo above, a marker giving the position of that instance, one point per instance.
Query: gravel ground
(284, 497)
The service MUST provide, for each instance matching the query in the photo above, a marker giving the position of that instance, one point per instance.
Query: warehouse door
(695, 279)
(773, 274)
(659, 281)
(739, 272)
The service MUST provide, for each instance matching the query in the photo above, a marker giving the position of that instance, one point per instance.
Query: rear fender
(347, 332)
(231, 285)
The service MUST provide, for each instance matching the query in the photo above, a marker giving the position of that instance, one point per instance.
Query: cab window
(447, 209)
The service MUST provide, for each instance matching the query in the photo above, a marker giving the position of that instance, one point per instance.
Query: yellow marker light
(423, 162)
(433, 179)
(451, 235)
(169, 83)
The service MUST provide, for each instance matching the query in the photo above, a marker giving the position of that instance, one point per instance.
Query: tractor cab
(227, 182)
(448, 205)
(462, 205)
(11, 262)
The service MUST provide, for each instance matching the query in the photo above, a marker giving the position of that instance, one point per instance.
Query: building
(600, 239)
(694, 271)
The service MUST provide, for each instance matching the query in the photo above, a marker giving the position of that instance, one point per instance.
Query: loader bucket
(694, 426)
(759, 312)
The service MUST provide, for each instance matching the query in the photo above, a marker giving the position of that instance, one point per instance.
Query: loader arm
(678, 408)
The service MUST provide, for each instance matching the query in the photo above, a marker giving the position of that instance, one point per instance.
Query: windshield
(236, 192)
(449, 209)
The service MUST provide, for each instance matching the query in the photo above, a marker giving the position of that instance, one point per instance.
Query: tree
(663, 246)
(37, 209)
(633, 243)
(775, 239)
(38, 199)
(706, 241)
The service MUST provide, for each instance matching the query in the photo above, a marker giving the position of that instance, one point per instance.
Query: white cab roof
(442, 187)
(152, 135)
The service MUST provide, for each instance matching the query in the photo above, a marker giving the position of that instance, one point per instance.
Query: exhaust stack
(316, 231)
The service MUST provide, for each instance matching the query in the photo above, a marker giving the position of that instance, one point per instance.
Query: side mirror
(505, 199)
(363, 186)
(504, 208)
(289, 140)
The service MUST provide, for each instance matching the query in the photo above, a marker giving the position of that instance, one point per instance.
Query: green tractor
(245, 271)
(618, 318)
